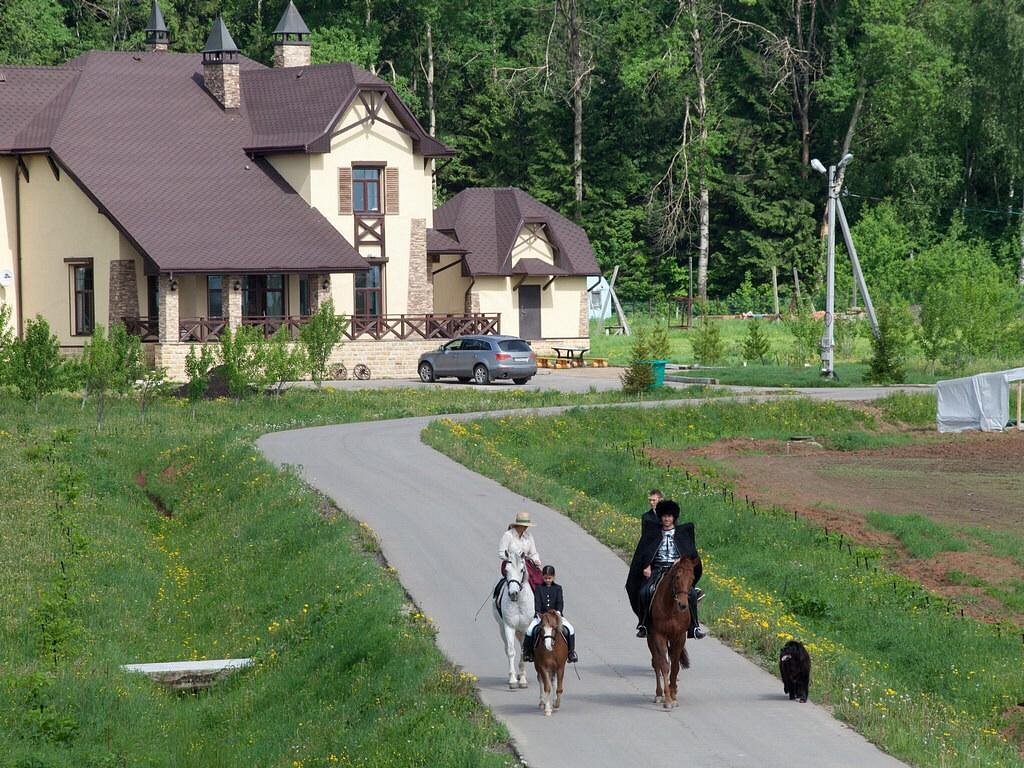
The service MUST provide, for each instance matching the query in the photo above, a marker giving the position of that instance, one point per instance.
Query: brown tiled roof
(537, 268)
(439, 242)
(167, 165)
(488, 221)
(296, 108)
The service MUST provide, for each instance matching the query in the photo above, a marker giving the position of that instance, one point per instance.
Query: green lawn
(173, 539)
(898, 664)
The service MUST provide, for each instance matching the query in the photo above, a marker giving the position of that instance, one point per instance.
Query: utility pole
(835, 209)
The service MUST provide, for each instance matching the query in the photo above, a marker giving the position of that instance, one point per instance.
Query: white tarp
(976, 402)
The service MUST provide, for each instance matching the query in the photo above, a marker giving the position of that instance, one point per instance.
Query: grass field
(850, 369)
(892, 659)
(173, 539)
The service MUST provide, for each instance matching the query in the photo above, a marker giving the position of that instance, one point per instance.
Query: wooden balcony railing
(442, 326)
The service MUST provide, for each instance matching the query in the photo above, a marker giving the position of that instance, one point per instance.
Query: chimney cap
(156, 19)
(291, 23)
(220, 40)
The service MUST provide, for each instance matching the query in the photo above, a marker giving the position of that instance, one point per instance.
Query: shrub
(751, 298)
(319, 336)
(197, 369)
(282, 364)
(639, 376)
(241, 354)
(35, 366)
(708, 348)
(6, 343)
(152, 384)
(891, 346)
(658, 345)
(806, 333)
(756, 345)
(846, 330)
(110, 365)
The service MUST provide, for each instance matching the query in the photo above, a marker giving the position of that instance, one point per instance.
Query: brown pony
(667, 627)
(549, 657)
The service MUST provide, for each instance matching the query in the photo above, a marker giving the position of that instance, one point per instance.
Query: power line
(928, 205)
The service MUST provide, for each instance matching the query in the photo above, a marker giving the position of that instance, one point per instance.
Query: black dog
(795, 667)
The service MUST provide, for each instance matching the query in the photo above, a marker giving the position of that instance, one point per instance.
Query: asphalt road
(439, 525)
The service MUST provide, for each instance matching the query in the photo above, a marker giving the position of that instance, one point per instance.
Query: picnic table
(573, 354)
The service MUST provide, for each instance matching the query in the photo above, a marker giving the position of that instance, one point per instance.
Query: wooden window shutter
(390, 190)
(344, 191)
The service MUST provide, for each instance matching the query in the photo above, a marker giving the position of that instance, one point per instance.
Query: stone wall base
(386, 359)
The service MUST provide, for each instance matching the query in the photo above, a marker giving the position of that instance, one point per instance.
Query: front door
(529, 311)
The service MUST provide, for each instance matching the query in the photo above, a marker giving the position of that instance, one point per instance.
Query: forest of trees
(679, 129)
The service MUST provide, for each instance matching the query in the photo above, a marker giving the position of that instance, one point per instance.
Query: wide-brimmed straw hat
(523, 519)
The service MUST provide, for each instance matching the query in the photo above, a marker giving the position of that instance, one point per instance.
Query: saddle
(648, 590)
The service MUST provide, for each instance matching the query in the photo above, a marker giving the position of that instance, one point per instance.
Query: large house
(182, 194)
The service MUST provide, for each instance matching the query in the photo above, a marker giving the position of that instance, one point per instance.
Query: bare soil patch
(971, 479)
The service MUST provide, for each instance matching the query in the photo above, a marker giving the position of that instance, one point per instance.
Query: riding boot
(695, 630)
(571, 640)
(527, 647)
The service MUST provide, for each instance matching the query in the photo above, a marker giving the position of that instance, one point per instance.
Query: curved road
(439, 524)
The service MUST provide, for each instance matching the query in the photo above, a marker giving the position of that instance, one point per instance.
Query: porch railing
(378, 327)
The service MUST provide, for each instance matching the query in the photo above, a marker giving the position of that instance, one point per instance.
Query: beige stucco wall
(8, 235)
(60, 222)
(449, 287)
(315, 178)
(559, 304)
(532, 243)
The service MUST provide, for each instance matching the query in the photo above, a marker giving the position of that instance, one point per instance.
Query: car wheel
(465, 379)
(522, 380)
(426, 372)
(481, 375)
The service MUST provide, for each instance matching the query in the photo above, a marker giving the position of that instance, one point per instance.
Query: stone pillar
(472, 305)
(320, 293)
(231, 300)
(124, 292)
(291, 53)
(221, 80)
(170, 332)
(421, 289)
(584, 312)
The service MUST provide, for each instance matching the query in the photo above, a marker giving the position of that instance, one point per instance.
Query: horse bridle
(513, 597)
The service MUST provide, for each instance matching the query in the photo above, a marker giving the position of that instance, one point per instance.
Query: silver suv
(480, 358)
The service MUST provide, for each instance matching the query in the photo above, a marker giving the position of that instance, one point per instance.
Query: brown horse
(667, 627)
(549, 657)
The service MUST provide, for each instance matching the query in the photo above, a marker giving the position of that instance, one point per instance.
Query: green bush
(708, 347)
(891, 346)
(319, 337)
(806, 333)
(6, 343)
(281, 363)
(35, 362)
(756, 345)
(639, 376)
(657, 342)
(241, 354)
(197, 369)
(110, 365)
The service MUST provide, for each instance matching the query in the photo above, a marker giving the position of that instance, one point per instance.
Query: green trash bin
(658, 368)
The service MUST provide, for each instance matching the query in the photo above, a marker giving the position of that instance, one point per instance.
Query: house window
(263, 295)
(85, 315)
(214, 296)
(369, 291)
(366, 190)
(153, 295)
(304, 302)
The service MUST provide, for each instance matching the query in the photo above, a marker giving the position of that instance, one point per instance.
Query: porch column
(322, 293)
(421, 289)
(231, 293)
(167, 300)
(124, 292)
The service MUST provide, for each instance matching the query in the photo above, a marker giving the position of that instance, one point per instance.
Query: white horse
(516, 613)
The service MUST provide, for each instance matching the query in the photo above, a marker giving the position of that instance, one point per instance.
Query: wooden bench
(573, 354)
(614, 330)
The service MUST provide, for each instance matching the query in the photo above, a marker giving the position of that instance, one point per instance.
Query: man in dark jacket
(657, 550)
(649, 525)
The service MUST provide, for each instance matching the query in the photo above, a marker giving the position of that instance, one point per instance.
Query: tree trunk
(851, 129)
(775, 290)
(796, 287)
(428, 76)
(576, 72)
(704, 246)
(1020, 266)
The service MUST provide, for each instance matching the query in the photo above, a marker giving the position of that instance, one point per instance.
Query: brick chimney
(220, 67)
(157, 36)
(291, 40)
